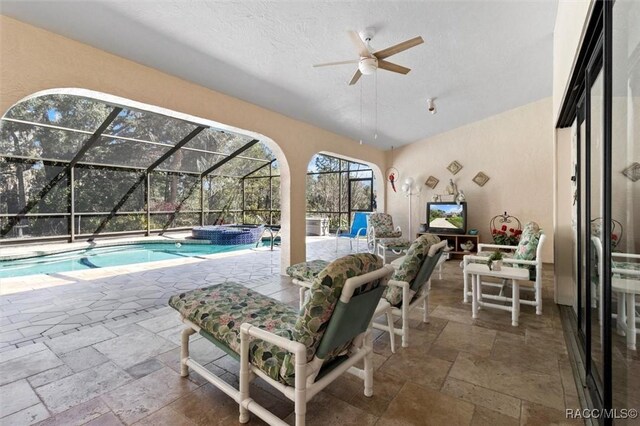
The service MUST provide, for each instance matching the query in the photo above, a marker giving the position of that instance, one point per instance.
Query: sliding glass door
(625, 206)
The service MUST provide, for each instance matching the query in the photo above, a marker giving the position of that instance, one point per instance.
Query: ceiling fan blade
(400, 47)
(355, 77)
(353, 61)
(362, 49)
(390, 66)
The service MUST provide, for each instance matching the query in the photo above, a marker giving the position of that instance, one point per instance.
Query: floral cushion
(394, 243)
(383, 225)
(629, 266)
(307, 271)
(528, 243)
(324, 294)
(220, 310)
(410, 266)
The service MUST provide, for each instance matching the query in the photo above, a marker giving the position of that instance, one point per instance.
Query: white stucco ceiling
(479, 57)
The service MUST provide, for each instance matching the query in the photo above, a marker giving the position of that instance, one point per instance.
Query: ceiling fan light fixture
(368, 66)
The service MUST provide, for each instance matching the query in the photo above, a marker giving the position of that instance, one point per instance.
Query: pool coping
(95, 244)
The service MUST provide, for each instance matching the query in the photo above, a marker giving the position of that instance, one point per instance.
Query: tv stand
(454, 240)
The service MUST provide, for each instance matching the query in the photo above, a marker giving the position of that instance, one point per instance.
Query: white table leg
(515, 302)
(631, 321)
(465, 294)
(474, 295)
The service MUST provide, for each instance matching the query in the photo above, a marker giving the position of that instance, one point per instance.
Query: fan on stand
(369, 62)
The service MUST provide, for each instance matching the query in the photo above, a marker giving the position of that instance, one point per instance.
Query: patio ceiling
(479, 58)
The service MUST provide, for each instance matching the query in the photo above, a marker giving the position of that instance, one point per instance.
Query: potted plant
(495, 261)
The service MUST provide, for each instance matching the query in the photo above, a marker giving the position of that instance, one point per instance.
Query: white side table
(477, 270)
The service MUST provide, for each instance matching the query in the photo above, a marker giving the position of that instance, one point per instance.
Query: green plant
(495, 256)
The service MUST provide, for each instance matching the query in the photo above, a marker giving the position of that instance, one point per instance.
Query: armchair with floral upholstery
(408, 288)
(298, 352)
(410, 285)
(381, 230)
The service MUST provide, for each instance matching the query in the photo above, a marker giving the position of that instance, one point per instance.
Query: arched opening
(78, 164)
(337, 188)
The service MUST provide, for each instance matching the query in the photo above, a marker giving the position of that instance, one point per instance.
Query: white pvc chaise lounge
(299, 353)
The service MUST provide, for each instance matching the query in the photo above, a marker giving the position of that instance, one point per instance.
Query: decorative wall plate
(454, 167)
(481, 179)
(432, 182)
(393, 177)
(632, 172)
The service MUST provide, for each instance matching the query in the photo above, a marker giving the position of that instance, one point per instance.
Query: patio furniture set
(301, 351)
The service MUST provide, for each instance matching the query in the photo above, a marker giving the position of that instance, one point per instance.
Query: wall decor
(632, 172)
(432, 182)
(392, 175)
(454, 167)
(481, 179)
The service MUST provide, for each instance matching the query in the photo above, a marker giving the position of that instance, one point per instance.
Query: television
(446, 218)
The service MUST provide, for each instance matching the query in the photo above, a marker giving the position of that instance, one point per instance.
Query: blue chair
(358, 229)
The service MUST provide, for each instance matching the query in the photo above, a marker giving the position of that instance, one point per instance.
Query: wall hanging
(431, 182)
(454, 167)
(481, 179)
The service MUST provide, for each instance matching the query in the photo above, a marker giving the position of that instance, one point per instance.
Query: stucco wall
(34, 60)
(568, 34)
(571, 22)
(513, 148)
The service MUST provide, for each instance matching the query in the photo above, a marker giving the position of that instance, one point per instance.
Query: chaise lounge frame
(307, 383)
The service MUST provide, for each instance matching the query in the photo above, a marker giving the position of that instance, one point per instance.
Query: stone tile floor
(100, 347)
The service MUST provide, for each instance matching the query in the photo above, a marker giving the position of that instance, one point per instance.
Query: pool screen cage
(73, 167)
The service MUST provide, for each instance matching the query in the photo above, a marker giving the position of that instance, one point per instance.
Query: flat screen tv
(447, 218)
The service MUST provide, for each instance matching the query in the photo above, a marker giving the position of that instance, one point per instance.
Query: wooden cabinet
(454, 241)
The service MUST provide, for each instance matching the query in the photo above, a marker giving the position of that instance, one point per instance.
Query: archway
(64, 140)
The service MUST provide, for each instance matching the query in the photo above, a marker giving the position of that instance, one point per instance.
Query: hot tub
(226, 235)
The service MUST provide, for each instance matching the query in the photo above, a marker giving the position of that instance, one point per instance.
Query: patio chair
(299, 353)
(410, 285)
(359, 226)
(381, 232)
(527, 254)
(408, 288)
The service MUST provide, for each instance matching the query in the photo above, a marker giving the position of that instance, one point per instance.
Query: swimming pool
(101, 257)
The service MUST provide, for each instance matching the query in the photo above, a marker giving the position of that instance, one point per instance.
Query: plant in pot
(495, 261)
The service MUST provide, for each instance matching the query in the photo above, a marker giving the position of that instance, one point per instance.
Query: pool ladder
(273, 233)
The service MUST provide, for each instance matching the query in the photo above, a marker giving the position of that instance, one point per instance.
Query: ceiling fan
(369, 62)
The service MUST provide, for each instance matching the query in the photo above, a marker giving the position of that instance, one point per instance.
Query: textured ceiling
(479, 57)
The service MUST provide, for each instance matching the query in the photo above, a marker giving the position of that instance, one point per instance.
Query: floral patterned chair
(410, 284)
(527, 254)
(298, 352)
(381, 230)
(408, 288)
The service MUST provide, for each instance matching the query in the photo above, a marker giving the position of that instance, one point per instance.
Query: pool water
(100, 257)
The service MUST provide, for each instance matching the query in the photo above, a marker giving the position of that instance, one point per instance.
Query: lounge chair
(383, 236)
(299, 353)
(408, 288)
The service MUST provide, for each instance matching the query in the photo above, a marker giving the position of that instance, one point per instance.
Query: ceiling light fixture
(368, 66)
(431, 105)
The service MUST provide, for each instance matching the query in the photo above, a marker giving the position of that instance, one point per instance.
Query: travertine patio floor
(101, 347)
